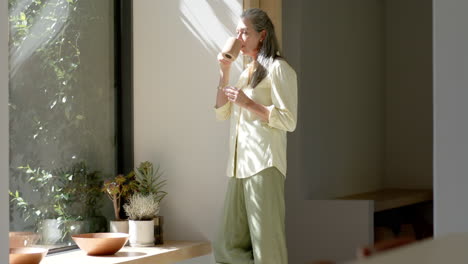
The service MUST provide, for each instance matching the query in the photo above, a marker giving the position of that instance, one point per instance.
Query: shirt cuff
(272, 116)
(281, 119)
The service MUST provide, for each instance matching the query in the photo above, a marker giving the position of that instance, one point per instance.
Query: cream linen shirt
(255, 145)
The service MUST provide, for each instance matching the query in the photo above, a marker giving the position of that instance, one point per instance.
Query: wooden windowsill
(169, 252)
(385, 199)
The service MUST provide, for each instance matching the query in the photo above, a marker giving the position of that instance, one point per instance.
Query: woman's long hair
(269, 48)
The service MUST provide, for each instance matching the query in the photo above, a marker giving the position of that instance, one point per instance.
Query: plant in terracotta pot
(149, 182)
(117, 189)
(141, 210)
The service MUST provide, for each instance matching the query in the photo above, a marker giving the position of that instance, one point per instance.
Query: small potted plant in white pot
(141, 210)
(117, 189)
(149, 182)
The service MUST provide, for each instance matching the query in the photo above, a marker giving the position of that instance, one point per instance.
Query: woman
(262, 107)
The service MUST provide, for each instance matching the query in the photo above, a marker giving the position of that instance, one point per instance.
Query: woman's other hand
(236, 96)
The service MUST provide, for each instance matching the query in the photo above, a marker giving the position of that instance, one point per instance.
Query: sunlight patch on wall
(212, 22)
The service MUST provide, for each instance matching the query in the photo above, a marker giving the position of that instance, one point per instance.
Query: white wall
(366, 100)
(4, 131)
(342, 101)
(408, 94)
(451, 122)
(176, 75)
(315, 229)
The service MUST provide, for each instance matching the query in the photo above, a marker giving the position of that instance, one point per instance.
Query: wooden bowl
(23, 239)
(101, 243)
(27, 255)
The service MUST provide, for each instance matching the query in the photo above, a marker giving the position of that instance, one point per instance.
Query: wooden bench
(393, 216)
(385, 199)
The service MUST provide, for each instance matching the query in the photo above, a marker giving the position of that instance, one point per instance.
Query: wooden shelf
(385, 199)
(169, 252)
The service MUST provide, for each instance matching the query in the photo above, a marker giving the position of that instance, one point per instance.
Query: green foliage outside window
(67, 195)
(52, 123)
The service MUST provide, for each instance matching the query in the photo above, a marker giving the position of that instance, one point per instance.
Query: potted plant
(149, 181)
(117, 189)
(67, 200)
(141, 210)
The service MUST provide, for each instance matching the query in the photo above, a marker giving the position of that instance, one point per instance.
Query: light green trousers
(252, 226)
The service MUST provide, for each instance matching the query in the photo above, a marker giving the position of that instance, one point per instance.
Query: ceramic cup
(231, 49)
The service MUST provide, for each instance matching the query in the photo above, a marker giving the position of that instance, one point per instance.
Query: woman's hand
(224, 65)
(237, 96)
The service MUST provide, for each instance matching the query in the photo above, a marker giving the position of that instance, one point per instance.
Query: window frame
(123, 38)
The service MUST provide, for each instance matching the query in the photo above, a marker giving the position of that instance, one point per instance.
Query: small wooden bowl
(101, 243)
(27, 255)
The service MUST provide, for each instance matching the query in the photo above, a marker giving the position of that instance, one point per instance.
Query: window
(65, 115)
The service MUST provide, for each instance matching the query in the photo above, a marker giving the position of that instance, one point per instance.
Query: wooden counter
(169, 252)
